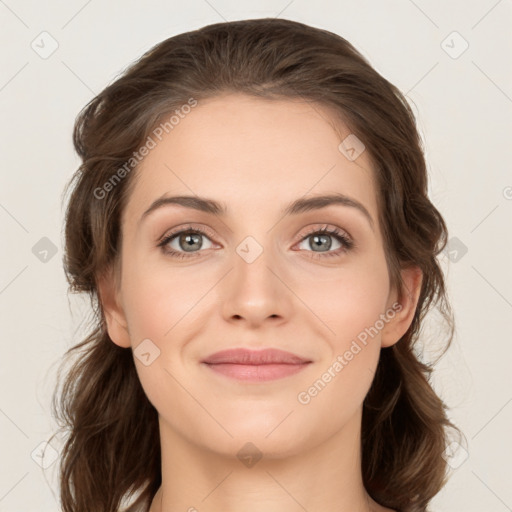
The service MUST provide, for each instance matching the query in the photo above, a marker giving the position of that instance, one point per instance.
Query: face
(257, 276)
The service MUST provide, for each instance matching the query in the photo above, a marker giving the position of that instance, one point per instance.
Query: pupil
(320, 238)
(190, 240)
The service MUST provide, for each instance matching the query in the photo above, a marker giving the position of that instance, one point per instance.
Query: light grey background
(464, 108)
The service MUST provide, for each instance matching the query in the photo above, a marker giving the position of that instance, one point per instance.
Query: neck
(326, 478)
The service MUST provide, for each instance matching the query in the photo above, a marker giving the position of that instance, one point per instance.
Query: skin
(256, 156)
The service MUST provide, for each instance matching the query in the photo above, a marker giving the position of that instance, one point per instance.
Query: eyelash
(334, 232)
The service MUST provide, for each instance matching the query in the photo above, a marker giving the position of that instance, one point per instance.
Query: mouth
(255, 365)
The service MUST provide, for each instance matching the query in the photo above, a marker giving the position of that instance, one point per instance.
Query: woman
(251, 221)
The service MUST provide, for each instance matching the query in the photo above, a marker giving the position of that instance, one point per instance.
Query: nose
(255, 291)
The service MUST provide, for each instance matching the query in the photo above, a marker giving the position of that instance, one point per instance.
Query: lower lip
(257, 373)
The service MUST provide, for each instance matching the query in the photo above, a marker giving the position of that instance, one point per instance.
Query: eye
(321, 239)
(187, 242)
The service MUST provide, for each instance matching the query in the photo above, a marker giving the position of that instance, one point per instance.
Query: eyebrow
(301, 205)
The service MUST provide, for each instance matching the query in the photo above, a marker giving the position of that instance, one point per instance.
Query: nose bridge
(252, 261)
(253, 291)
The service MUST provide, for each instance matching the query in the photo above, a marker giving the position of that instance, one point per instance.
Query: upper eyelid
(178, 230)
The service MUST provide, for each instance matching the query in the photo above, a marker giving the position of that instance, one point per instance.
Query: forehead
(248, 152)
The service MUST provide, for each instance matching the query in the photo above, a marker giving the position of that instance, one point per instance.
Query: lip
(255, 365)
(254, 357)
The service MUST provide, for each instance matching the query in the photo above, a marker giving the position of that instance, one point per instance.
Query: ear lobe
(397, 326)
(114, 315)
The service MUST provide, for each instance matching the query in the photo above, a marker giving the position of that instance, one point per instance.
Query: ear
(115, 318)
(404, 306)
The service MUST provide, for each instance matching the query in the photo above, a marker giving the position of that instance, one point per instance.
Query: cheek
(347, 301)
(157, 298)
(159, 304)
(350, 306)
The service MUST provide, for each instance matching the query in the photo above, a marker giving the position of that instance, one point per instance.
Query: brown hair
(113, 448)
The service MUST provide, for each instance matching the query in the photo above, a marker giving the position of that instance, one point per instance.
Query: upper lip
(254, 357)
